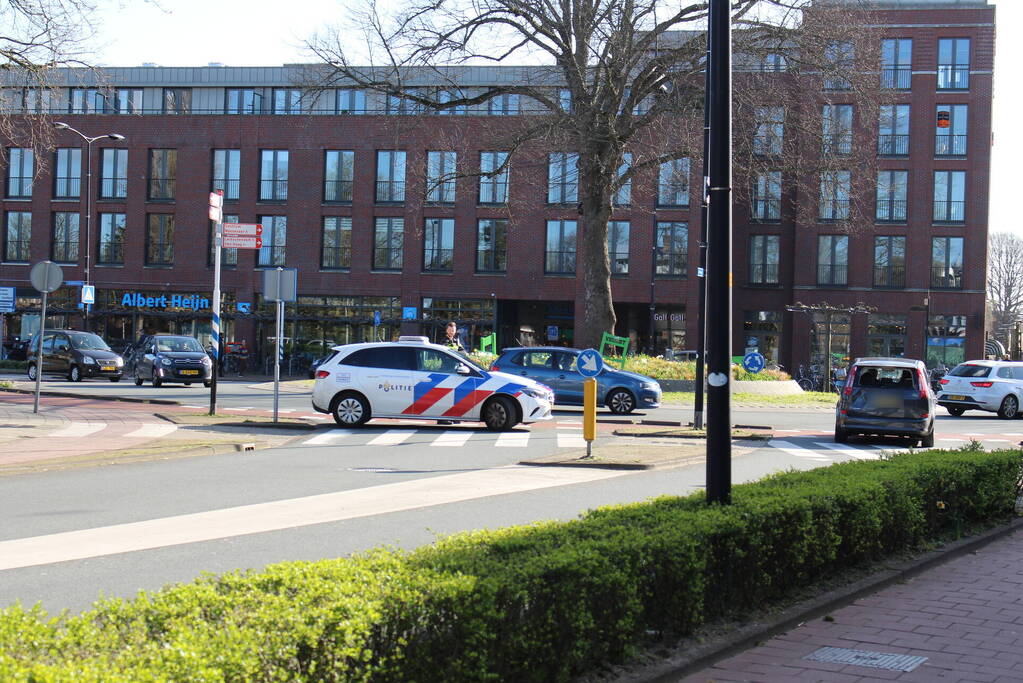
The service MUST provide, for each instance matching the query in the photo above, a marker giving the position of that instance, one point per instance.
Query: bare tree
(625, 77)
(37, 37)
(1005, 280)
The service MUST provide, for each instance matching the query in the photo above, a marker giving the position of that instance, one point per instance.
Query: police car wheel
(138, 379)
(621, 402)
(32, 371)
(499, 414)
(351, 410)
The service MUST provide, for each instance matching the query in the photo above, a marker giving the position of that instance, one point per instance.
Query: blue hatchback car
(622, 392)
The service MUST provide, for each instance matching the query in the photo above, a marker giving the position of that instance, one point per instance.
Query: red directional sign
(242, 242)
(242, 229)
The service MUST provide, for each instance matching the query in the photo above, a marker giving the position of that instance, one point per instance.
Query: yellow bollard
(589, 412)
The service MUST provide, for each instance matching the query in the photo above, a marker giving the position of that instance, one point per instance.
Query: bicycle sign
(753, 362)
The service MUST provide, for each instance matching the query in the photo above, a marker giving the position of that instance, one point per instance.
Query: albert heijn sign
(242, 236)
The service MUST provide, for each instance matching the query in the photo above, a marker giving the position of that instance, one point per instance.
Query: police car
(412, 378)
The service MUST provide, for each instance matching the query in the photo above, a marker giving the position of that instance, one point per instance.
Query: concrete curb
(71, 394)
(699, 656)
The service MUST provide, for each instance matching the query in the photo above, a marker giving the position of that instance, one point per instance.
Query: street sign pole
(46, 277)
(277, 357)
(217, 215)
(719, 259)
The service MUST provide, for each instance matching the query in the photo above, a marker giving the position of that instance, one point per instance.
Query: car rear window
(967, 370)
(878, 377)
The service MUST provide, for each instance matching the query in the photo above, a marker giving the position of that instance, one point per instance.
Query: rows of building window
(338, 176)
(948, 206)
(670, 250)
(889, 269)
(893, 139)
(896, 70)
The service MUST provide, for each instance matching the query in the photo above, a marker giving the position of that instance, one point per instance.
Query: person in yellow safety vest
(451, 339)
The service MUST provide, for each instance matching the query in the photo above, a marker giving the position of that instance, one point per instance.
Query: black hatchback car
(74, 354)
(171, 358)
(888, 397)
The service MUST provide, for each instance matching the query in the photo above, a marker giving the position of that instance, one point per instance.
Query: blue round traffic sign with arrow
(754, 362)
(589, 363)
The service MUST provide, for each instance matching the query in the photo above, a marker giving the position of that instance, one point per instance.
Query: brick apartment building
(342, 183)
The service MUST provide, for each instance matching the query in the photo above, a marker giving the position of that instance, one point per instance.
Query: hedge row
(536, 603)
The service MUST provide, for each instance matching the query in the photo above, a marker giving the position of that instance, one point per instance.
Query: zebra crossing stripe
(392, 437)
(79, 429)
(452, 439)
(153, 431)
(512, 440)
(328, 437)
(857, 453)
(572, 440)
(798, 451)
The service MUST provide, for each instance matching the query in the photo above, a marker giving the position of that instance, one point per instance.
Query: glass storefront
(886, 335)
(669, 329)
(474, 317)
(762, 331)
(946, 340)
(837, 328)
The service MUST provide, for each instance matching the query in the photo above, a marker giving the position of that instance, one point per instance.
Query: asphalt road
(68, 537)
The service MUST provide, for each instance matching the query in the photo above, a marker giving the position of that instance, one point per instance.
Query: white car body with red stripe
(414, 379)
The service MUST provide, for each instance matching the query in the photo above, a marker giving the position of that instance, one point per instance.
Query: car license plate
(107, 368)
(884, 401)
(189, 372)
(955, 397)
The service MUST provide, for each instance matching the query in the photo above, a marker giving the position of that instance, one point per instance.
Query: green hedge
(8, 364)
(542, 602)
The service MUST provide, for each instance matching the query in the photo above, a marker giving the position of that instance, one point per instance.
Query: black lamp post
(60, 125)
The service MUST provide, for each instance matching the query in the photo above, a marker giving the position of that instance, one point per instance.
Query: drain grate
(874, 660)
(372, 469)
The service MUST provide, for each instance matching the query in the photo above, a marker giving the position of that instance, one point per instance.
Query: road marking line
(452, 439)
(571, 440)
(798, 451)
(951, 439)
(287, 514)
(314, 417)
(972, 434)
(1012, 434)
(569, 422)
(852, 451)
(794, 431)
(392, 437)
(199, 407)
(513, 440)
(244, 408)
(997, 440)
(153, 430)
(77, 429)
(572, 427)
(328, 437)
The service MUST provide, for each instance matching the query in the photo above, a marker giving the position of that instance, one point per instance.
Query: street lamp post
(60, 125)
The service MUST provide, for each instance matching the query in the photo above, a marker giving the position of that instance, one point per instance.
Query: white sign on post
(243, 236)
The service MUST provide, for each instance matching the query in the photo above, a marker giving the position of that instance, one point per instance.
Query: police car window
(1017, 373)
(967, 370)
(1005, 373)
(381, 357)
(431, 360)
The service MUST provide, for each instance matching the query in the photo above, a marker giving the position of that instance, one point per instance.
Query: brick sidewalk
(964, 616)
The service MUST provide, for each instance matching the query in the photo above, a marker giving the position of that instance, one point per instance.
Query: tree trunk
(594, 297)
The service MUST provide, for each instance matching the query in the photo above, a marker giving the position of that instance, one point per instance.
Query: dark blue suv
(622, 392)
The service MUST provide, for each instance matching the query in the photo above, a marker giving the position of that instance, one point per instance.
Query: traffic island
(234, 420)
(740, 434)
(626, 454)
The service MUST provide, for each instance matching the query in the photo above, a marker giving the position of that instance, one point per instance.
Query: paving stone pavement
(965, 616)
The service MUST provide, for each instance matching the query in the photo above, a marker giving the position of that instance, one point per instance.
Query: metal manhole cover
(372, 469)
(874, 660)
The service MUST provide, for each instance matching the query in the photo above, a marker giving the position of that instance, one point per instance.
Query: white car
(412, 378)
(992, 385)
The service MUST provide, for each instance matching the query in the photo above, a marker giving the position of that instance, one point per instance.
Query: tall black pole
(701, 275)
(719, 260)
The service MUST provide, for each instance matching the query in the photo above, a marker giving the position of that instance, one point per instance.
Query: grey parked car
(620, 391)
(886, 396)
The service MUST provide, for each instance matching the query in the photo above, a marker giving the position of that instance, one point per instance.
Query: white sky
(271, 33)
